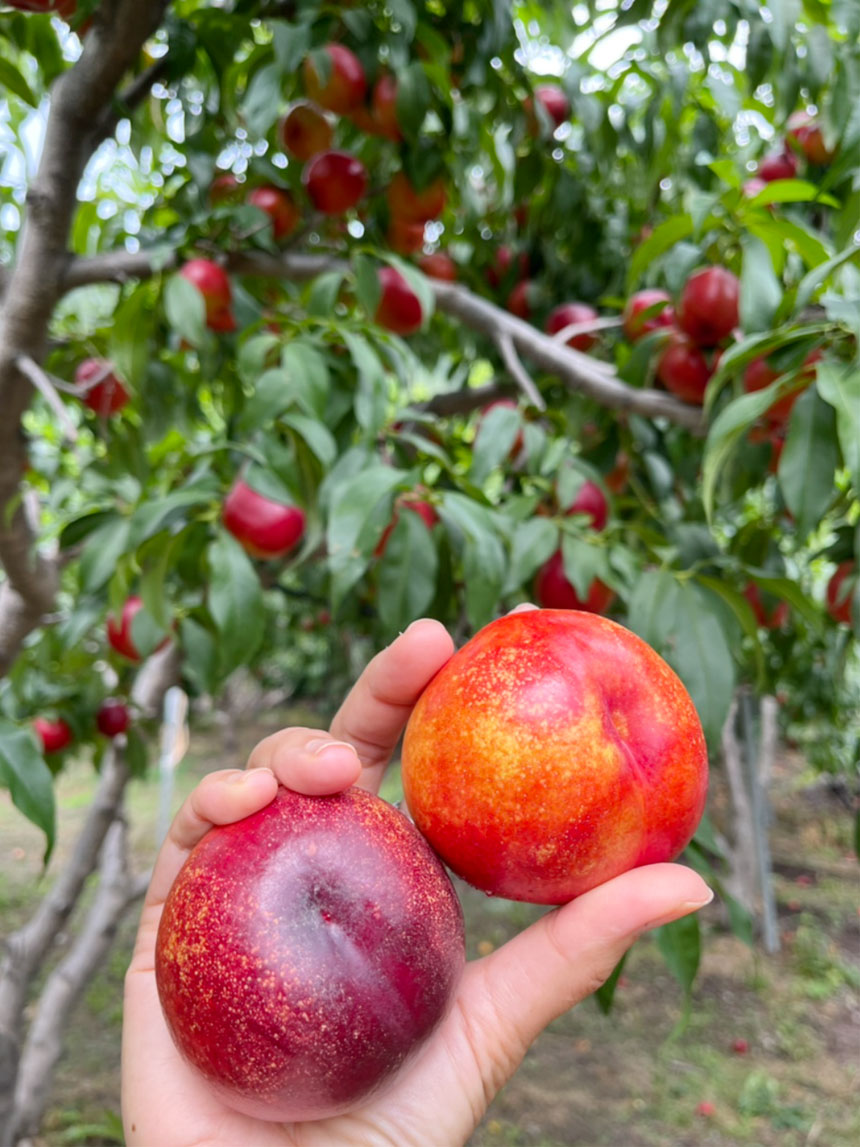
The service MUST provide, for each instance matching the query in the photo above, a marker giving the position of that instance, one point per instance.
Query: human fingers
(377, 708)
(222, 797)
(309, 761)
(511, 995)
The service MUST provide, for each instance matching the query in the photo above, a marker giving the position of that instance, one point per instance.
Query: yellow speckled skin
(306, 952)
(555, 750)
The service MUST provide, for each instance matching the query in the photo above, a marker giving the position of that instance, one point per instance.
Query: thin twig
(517, 371)
(48, 391)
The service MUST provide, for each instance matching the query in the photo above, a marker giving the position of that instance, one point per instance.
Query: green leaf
(726, 431)
(254, 356)
(535, 541)
(815, 279)
(273, 393)
(323, 294)
(316, 435)
(352, 506)
(199, 655)
(662, 238)
(761, 292)
(185, 309)
(605, 994)
(680, 946)
(807, 466)
(13, 81)
(407, 572)
(104, 547)
(262, 102)
(839, 385)
(235, 602)
(497, 433)
(130, 339)
(371, 397)
(24, 773)
(685, 623)
(482, 552)
(308, 374)
(413, 98)
(583, 563)
(156, 514)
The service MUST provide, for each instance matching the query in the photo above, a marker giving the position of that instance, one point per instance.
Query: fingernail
(319, 745)
(683, 909)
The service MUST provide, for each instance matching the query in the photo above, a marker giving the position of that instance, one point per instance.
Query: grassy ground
(630, 1080)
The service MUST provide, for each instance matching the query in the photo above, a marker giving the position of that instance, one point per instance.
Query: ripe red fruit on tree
(346, 84)
(634, 325)
(552, 590)
(335, 181)
(119, 632)
(407, 203)
(502, 262)
(399, 308)
(306, 953)
(683, 369)
(425, 510)
(263, 527)
(708, 308)
(64, 8)
(760, 374)
(779, 165)
(100, 388)
(518, 300)
(740, 1046)
(213, 283)
(591, 500)
(305, 131)
(383, 102)
(805, 132)
(224, 188)
(617, 478)
(112, 718)
(279, 206)
(565, 315)
(54, 735)
(840, 591)
(774, 618)
(554, 102)
(405, 238)
(554, 751)
(439, 265)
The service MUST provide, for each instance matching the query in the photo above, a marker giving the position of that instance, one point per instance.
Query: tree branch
(577, 371)
(28, 948)
(34, 285)
(43, 1046)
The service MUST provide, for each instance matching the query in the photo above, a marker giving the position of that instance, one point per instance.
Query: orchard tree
(320, 317)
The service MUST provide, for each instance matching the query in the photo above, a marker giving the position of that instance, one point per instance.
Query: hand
(503, 1002)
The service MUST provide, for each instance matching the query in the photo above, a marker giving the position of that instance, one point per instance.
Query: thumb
(570, 952)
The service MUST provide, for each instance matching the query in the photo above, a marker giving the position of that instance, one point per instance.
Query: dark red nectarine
(306, 952)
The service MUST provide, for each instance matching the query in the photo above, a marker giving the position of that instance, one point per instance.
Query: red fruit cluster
(279, 205)
(705, 317)
(768, 617)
